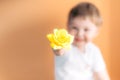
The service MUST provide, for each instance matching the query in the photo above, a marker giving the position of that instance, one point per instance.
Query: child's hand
(59, 52)
(60, 39)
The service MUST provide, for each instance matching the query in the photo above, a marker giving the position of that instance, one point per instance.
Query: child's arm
(101, 75)
(100, 70)
(99, 66)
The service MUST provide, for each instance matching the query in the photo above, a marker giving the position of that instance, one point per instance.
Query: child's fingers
(59, 52)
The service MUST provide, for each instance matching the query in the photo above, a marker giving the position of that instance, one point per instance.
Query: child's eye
(86, 29)
(75, 28)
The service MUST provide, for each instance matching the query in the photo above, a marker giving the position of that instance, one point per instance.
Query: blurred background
(25, 53)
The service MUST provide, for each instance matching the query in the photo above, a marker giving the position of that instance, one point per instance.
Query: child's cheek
(87, 38)
(72, 33)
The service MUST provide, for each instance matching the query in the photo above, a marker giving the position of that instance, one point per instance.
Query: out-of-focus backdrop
(25, 53)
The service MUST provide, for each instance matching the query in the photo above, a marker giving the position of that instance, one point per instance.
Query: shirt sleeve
(99, 63)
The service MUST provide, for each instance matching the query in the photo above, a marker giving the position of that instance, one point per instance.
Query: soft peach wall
(25, 53)
(115, 39)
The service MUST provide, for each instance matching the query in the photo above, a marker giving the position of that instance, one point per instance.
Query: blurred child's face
(83, 30)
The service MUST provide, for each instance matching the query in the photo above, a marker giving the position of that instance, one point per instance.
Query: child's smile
(83, 29)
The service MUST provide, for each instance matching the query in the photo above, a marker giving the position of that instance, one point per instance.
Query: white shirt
(74, 65)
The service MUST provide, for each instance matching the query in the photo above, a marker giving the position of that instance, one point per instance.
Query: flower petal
(50, 37)
(60, 39)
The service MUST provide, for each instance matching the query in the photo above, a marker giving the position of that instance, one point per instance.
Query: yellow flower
(60, 39)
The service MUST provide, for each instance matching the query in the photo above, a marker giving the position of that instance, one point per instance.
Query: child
(84, 60)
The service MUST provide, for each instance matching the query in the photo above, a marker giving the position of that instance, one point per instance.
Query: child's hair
(84, 10)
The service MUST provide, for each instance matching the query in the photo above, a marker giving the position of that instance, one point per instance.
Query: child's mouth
(78, 40)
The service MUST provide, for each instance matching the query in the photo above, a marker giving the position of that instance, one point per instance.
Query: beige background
(25, 53)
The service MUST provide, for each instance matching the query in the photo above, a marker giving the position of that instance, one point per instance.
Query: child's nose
(80, 33)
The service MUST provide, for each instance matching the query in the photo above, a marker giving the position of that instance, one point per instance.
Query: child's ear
(97, 31)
